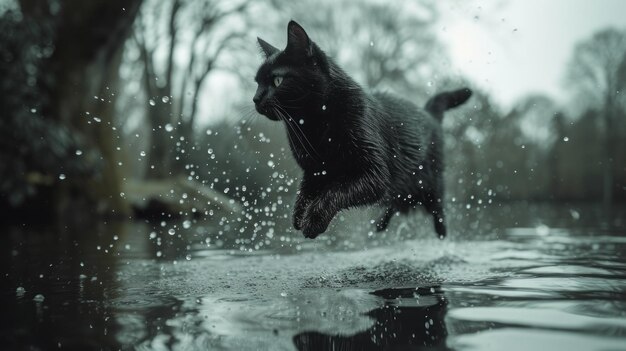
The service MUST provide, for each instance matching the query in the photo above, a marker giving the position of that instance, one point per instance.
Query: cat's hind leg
(383, 221)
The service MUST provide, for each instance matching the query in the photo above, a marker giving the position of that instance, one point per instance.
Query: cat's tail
(441, 102)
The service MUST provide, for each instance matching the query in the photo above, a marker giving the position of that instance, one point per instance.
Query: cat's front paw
(313, 226)
(315, 220)
(298, 212)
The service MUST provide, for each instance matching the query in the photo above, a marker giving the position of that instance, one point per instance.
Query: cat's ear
(297, 40)
(266, 47)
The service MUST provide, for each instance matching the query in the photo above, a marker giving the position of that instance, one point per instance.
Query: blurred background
(145, 205)
(142, 109)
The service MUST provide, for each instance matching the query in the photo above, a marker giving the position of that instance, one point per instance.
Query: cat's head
(291, 80)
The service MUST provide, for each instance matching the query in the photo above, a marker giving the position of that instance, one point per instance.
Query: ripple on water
(537, 317)
(533, 339)
(570, 284)
(564, 270)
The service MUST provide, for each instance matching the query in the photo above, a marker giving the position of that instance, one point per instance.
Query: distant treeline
(561, 158)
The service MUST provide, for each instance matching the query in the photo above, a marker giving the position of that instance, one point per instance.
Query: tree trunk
(161, 138)
(608, 152)
(82, 79)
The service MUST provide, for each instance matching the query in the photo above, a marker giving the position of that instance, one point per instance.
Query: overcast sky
(517, 47)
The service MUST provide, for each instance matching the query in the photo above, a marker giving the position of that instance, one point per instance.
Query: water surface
(508, 277)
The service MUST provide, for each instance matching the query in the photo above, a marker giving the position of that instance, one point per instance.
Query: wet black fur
(355, 148)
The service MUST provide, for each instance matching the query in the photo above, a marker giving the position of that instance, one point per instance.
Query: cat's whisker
(250, 119)
(300, 130)
(291, 142)
(298, 134)
(282, 117)
(246, 113)
(248, 116)
(290, 127)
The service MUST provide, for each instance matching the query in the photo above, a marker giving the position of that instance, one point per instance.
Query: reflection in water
(410, 319)
(73, 278)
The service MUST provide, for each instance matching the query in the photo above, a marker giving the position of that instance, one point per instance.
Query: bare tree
(594, 72)
(174, 85)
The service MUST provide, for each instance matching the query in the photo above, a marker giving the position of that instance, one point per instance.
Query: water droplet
(33, 110)
(171, 231)
(324, 107)
(62, 176)
(39, 298)
(187, 224)
(142, 153)
(566, 139)
(152, 102)
(20, 291)
(371, 43)
(270, 163)
(153, 235)
(165, 99)
(283, 294)
(79, 152)
(301, 121)
(169, 128)
(188, 257)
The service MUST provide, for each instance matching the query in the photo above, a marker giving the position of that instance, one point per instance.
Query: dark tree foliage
(56, 56)
(34, 149)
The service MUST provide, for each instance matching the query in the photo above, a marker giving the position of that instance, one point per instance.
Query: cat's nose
(258, 96)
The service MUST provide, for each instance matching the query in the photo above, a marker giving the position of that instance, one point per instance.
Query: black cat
(355, 148)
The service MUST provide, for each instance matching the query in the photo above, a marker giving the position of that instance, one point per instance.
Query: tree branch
(170, 55)
(146, 56)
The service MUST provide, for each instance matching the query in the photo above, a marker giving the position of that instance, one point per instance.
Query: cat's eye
(277, 81)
